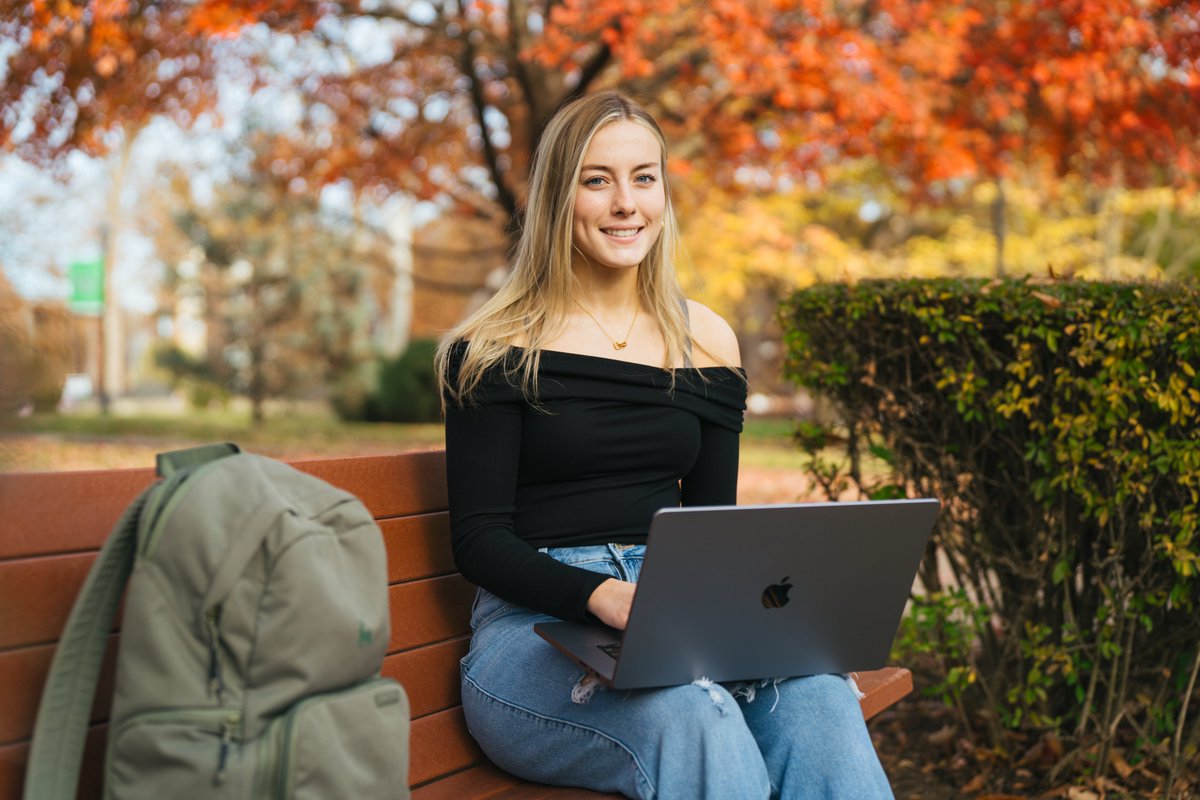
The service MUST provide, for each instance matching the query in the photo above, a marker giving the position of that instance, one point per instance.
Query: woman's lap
(521, 697)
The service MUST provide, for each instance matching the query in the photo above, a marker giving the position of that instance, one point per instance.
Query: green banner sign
(87, 286)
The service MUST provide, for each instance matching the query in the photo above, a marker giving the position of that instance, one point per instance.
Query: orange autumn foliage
(748, 90)
(85, 68)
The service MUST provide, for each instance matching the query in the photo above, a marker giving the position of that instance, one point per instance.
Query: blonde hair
(533, 304)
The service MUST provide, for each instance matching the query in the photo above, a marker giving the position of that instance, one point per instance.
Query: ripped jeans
(791, 739)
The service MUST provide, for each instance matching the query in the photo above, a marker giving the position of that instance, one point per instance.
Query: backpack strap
(56, 752)
(167, 464)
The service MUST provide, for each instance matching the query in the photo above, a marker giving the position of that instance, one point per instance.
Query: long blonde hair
(534, 302)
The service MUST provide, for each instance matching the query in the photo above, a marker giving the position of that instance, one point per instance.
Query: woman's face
(620, 199)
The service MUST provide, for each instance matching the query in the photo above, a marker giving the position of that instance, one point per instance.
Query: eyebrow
(601, 168)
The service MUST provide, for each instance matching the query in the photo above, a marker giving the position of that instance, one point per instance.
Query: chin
(620, 260)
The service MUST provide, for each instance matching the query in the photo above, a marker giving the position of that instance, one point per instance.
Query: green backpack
(254, 629)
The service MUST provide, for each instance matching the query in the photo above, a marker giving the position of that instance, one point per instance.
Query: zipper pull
(227, 728)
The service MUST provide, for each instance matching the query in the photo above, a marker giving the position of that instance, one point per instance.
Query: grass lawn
(89, 440)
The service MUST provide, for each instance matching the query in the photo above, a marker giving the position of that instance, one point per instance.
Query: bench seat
(53, 524)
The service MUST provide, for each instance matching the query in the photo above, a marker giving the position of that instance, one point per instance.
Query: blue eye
(646, 179)
(595, 180)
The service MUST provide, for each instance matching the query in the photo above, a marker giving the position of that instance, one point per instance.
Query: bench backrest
(52, 525)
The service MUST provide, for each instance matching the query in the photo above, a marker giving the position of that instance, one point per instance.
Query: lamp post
(89, 290)
(106, 309)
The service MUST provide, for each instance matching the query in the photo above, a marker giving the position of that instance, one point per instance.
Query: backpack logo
(365, 636)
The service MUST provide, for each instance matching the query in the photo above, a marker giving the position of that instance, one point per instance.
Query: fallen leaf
(975, 784)
(1077, 793)
(942, 735)
(1123, 767)
(1048, 750)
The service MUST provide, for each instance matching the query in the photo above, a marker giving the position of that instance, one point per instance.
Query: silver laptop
(748, 592)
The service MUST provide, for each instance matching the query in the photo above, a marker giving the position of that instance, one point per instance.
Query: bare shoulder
(715, 342)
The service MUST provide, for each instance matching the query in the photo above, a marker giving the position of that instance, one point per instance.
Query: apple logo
(776, 595)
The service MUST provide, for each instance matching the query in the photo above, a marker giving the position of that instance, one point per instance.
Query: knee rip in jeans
(749, 689)
(585, 688)
(589, 682)
(713, 693)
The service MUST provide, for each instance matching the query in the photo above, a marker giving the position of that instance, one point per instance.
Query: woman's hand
(611, 601)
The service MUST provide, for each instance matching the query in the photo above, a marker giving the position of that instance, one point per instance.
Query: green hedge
(400, 389)
(1060, 425)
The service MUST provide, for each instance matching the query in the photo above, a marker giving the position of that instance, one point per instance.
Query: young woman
(586, 395)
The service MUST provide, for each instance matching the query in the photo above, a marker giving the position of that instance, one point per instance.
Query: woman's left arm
(713, 479)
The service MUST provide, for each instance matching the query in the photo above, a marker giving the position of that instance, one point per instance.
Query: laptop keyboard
(612, 648)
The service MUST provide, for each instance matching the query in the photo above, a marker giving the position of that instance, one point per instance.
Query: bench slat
(479, 782)
(62, 512)
(488, 782)
(883, 687)
(428, 611)
(418, 546)
(390, 486)
(14, 757)
(440, 745)
(536, 791)
(23, 674)
(36, 595)
(429, 675)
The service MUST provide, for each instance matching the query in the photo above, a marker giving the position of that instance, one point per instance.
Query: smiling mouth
(622, 233)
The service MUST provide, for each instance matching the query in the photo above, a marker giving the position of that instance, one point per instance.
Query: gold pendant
(619, 345)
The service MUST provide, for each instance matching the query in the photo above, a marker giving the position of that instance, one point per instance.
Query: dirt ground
(902, 739)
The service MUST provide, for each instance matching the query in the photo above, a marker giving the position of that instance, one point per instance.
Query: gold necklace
(617, 345)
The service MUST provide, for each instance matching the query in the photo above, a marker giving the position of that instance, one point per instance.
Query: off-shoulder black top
(607, 444)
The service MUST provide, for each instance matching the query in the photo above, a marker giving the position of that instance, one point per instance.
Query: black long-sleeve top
(606, 445)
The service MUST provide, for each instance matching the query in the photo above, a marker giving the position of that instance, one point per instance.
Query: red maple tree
(750, 91)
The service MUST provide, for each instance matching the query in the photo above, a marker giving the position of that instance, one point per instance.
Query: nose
(623, 203)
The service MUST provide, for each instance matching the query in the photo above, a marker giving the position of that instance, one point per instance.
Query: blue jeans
(791, 739)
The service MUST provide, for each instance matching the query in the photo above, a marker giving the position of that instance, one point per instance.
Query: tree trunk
(111, 377)
(257, 388)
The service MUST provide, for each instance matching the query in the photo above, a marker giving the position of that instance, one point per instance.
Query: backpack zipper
(219, 722)
(285, 752)
(229, 726)
(216, 681)
(282, 769)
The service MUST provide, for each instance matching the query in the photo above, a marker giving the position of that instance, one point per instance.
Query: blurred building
(457, 265)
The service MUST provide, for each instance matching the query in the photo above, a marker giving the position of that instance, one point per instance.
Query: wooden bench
(52, 524)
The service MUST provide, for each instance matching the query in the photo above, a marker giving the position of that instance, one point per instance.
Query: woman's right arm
(483, 448)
